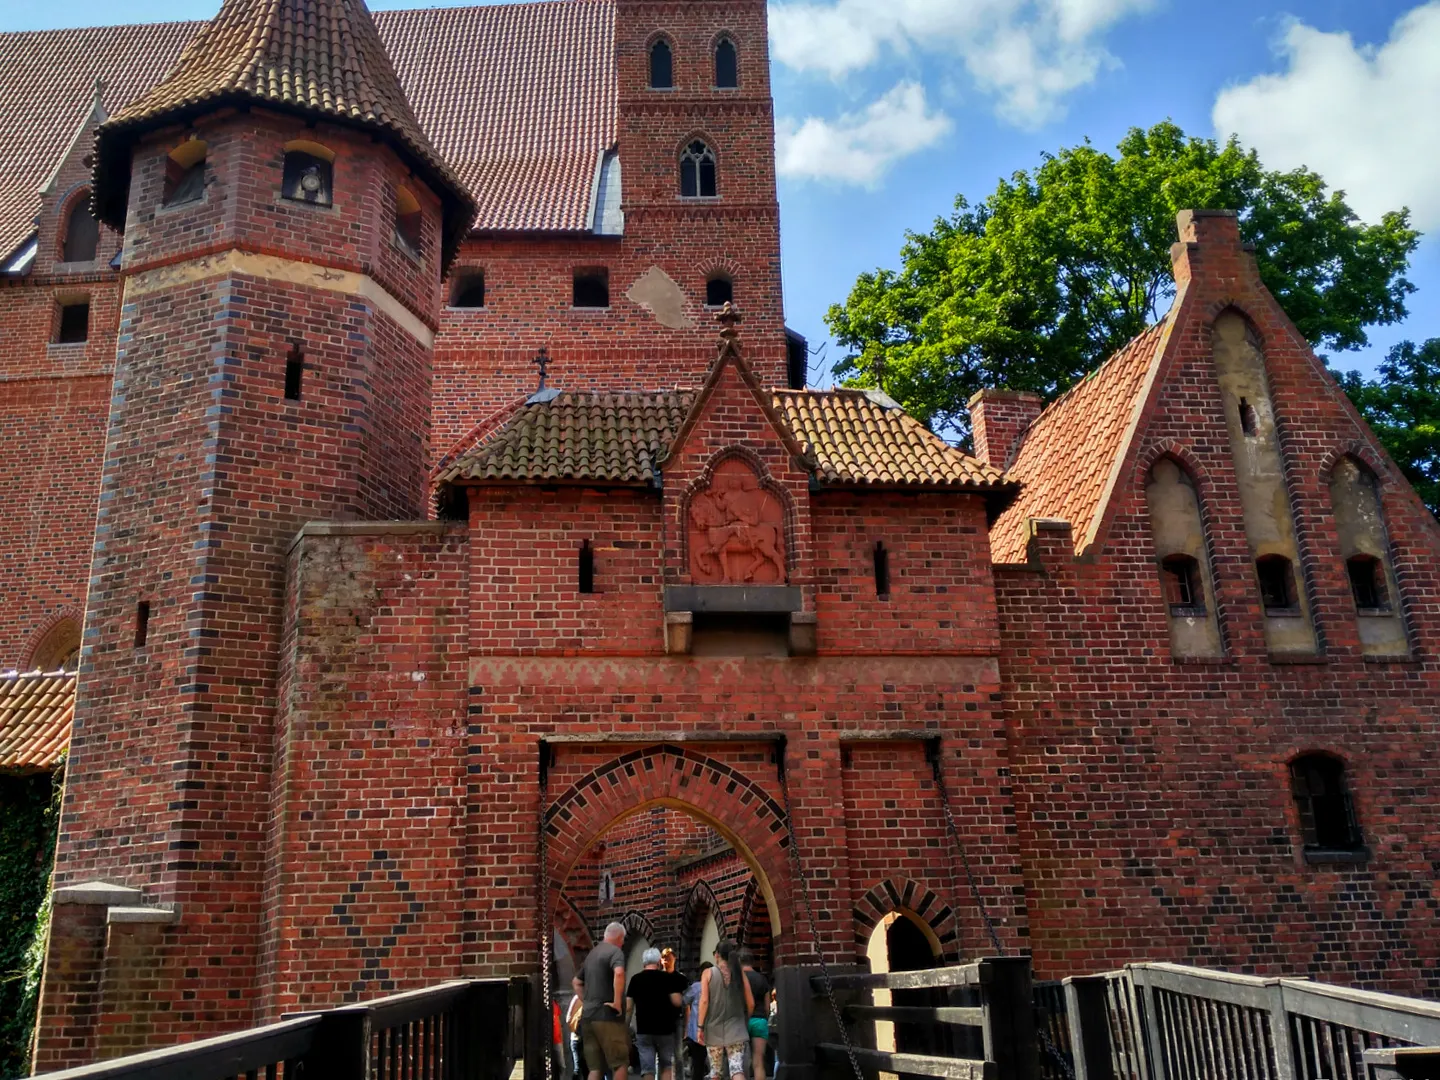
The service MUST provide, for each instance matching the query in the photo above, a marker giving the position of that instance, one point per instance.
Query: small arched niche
(1365, 551)
(185, 173)
(309, 172)
(1178, 531)
(80, 231)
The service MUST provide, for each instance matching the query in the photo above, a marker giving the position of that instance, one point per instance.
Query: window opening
(1277, 583)
(1327, 813)
(453, 503)
(407, 221)
(1183, 591)
(697, 171)
(294, 373)
(1366, 582)
(82, 233)
(726, 67)
(142, 623)
(469, 291)
(607, 887)
(307, 178)
(1247, 417)
(881, 559)
(74, 322)
(719, 291)
(662, 66)
(184, 174)
(592, 289)
(587, 567)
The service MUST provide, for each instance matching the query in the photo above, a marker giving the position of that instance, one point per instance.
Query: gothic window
(308, 174)
(726, 67)
(1277, 584)
(1367, 582)
(1183, 591)
(1327, 813)
(591, 289)
(469, 291)
(697, 171)
(74, 322)
(184, 174)
(662, 65)
(407, 221)
(719, 291)
(82, 232)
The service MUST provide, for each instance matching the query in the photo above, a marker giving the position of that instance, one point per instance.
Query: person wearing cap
(656, 998)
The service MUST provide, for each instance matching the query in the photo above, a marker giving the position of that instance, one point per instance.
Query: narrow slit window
(726, 67)
(697, 172)
(142, 623)
(881, 559)
(591, 289)
(662, 66)
(1327, 813)
(1247, 417)
(1366, 582)
(1277, 584)
(469, 291)
(294, 373)
(74, 323)
(1183, 592)
(587, 567)
(82, 233)
(719, 291)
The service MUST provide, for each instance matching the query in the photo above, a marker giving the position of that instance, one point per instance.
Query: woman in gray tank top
(725, 1006)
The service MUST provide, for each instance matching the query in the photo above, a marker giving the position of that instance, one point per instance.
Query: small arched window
(1327, 814)
(727, 68)
(697, 171)
(1183, 590)
(1367, 582)
(309, 173)
(59, 649)
(719, 291)
(1277, 585)
(407, 221)
(82, 232)
(662, 65)
(184, 173)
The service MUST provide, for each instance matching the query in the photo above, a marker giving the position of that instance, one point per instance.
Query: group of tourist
(723, 1016)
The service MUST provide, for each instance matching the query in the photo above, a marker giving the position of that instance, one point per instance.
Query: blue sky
(889, 108)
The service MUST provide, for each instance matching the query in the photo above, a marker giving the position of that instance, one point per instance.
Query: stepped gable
(1068, 457)
(321, 59)
(36, 711)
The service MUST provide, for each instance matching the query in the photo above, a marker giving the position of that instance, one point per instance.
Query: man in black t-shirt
(657, 998)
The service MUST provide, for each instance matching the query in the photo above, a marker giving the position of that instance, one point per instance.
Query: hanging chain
(546, 990)
(799, 876)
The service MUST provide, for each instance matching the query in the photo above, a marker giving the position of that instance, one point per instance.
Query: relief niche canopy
(736, 529)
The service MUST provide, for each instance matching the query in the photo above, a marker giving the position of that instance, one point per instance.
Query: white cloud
(1027, 54)
(858, 147)
(1367, 119)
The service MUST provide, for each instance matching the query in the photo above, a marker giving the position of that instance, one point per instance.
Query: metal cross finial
(542, 364)
(728, 318)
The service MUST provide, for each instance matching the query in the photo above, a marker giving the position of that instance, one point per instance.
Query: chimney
(998, 419)
(1210, 243)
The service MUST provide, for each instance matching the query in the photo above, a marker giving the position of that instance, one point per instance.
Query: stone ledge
(142, 915)
(98, 892)
(376, 528)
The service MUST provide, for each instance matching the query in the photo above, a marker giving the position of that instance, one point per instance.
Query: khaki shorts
(607, 1045)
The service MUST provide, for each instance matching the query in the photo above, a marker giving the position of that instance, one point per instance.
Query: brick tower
(286, 227)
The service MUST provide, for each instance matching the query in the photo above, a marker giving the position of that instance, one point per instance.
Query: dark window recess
(697, 171)
(183, 185)
(797, 360)
(1327, 813)
(740, 634)
(592, 289)
(294, 373)
(587, 567)
(719, 291)
(82, 233)
(662, 66)
(142, 623)
(1181, 574)
(307, 178)
(1277, 583)
(881, 558)
(407, 232)
(1367, 582)
(469, 291)
(453, 503)
(1247, 417)
(726, 68)
(74, 322)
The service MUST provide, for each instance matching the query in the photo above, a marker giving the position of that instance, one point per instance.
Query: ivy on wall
(29, 812)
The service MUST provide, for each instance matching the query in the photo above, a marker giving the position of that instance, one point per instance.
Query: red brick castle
(445, 569)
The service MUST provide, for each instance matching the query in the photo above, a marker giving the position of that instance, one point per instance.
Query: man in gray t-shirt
(600, 982)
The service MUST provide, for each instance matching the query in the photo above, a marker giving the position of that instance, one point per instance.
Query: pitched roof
(525, 138)
(1067, 458)
(36, 709)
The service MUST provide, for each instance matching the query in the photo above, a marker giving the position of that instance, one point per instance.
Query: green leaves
(1402, 407)
(1061, 265)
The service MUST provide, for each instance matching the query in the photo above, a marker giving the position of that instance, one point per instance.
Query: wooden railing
(1171, 1022)
(471, 1029)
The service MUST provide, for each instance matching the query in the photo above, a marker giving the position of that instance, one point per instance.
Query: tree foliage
(1402, 407)
(29, 811)
(1061, 265)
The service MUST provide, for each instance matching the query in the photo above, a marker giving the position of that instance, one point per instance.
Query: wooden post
(341, 1050)
(1088, 1012)
(1150, 1020)
(1280, 1031)
(1008, 999)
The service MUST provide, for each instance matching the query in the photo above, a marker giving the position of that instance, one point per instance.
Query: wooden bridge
(986, 1020)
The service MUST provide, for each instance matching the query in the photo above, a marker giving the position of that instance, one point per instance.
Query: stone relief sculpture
(737, 530)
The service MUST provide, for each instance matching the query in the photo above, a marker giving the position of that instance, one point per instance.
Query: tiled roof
(523, 137)
(36, 709)
(319, 58)
(848, 438)
(1068, 456)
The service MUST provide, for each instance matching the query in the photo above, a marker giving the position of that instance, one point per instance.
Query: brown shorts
(607, 1045)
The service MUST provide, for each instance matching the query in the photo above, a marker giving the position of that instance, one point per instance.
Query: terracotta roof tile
(1067, 456)
(36, 709)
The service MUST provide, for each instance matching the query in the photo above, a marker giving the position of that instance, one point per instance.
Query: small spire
(542, 365)
(729, 318)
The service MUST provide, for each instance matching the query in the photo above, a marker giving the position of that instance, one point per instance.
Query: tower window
(1183, 592)
(184, 174)
(662, 66)
(1277, 584)
(82, 232)
(719, 291)
(1247, 417)
(592, 288)
(1367, 582)
(697, 171)
(726, 67)
(307, 178)
(881, 559)
(1327, 814)
(142, 623)
(407, 221)
(294, 373)
(74, 322)
(469, 291)
(587, 567)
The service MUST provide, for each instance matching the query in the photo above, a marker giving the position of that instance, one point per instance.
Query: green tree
(1402, 407)
(1061, 265)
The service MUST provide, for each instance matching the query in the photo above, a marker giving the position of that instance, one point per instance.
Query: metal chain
(799, 876)
(937, 767)
(546, 990)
